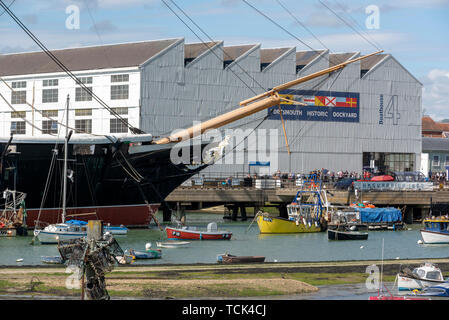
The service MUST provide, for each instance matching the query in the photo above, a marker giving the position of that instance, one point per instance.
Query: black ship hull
(102, 174)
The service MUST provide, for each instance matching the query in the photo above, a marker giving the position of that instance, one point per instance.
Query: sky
(415, 32)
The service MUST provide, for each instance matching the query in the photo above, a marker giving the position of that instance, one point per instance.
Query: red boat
(193, 233)
(390, 296)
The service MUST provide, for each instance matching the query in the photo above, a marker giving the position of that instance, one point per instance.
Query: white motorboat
(426, 275)
(71, 229)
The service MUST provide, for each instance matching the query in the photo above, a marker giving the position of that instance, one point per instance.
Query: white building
(163, 85)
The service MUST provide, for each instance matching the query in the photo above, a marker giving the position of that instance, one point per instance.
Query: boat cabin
(428, 272)
(436, 225)
(63, 227)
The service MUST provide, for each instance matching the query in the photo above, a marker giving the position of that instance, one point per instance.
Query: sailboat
(71, 229)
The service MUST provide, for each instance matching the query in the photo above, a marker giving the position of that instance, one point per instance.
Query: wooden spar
(250, 106)
(222, 120)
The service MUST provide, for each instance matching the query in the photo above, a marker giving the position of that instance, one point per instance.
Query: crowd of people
(325, 175)
(329, 176)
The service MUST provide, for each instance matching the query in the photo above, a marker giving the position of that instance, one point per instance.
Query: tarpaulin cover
(77, 222)
(379, 214)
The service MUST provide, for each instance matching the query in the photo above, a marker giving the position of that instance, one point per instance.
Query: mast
(64, 191)
(251, 105)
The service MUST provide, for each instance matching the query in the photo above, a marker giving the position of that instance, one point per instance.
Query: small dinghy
(147, 254)
(125, 259)
(346, 235)
(229, 258)
(172, 244)
(52, 259)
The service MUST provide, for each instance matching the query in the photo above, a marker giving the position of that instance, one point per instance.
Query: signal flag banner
(321, 106)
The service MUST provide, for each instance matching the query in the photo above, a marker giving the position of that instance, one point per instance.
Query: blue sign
(319, 106)
(259, 163)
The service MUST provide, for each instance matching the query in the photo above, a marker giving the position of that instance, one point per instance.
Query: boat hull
(281, 225)
(409, 284)
(343, 235)
(229, 259)
(8, 232)
(150, 254)
(186, 234)
(106, 173)
(53, 237)
(130, 215)
(434, 237)
(172, 244)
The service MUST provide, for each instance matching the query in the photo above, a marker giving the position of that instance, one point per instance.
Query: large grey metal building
(368, 114)
(369, 111)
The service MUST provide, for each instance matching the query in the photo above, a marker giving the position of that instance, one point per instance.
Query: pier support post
(166, 213)
(234, 212)
(408, 215)
(243, 212)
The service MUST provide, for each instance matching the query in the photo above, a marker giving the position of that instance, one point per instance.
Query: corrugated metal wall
(174, 96)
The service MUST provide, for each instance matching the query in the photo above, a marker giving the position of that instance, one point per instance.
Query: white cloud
(435, 97)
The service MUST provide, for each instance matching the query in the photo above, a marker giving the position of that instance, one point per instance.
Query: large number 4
(392, 111)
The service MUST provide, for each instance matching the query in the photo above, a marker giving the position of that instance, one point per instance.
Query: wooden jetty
(416, 204)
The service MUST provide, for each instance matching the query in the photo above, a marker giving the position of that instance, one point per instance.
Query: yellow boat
(282, 225)
(306, 213)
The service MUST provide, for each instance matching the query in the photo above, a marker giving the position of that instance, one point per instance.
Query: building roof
(337, 58)
(267, 56)
(85, 58)
(193, 50)
(444, 126)
(435, 144)
(305, 57)
(233, 52)
(429, 125)
(370, 62)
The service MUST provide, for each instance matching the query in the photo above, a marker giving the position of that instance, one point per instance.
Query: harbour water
(247, 241)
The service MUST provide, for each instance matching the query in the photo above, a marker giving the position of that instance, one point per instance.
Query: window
(49, 113)
(83, 126)
(118, 126)
(447, 161)
(120, 110)
(19, 84)
(85, 80)
(83, 95)
(434, 275)
(18, 97)
(436, 161)
(83, 112)
(18, 127)
(18, 114)
(120, 78)
(119, 92)
(49, 95)
(50, 83)
(49, 126)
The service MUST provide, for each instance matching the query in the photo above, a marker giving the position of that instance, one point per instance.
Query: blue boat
(439, 290)
(147, 254)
